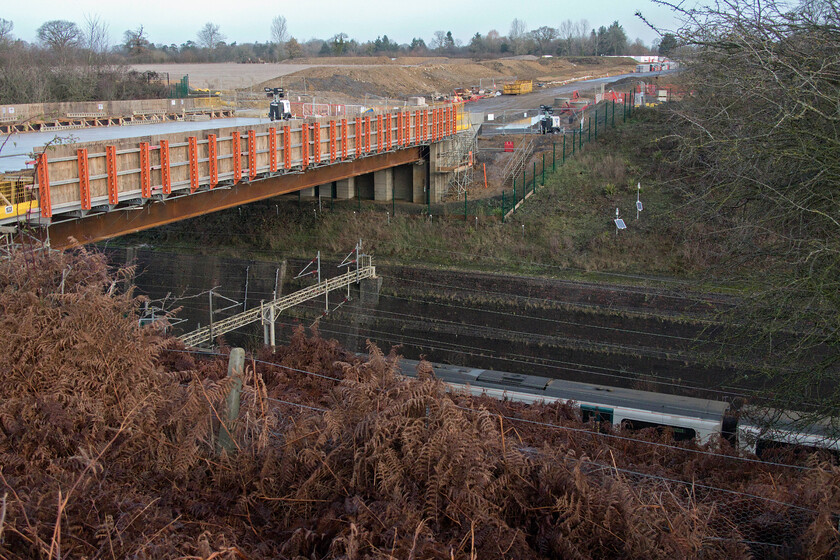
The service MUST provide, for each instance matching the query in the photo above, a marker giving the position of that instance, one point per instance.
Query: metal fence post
(613, 113)
(574, 141)
(564, 148)
(596, 125)
(514, 194)
(589, 127)
(503, 206)
(236, 367)
(543, 171)
(554, 156)
(534, 178)
(465, 206)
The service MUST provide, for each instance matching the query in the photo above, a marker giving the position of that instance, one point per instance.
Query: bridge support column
(438, 180)
(418, 184)
(403, 182)
(308, 193)
(346, 188)
(369, 290)
(383, 184)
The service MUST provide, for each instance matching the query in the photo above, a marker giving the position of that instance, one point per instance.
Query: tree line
(93, 39)
(70, 63)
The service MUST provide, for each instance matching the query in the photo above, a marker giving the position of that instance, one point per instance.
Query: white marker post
(639, 206)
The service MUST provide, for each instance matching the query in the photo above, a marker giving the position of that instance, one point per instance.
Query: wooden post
(236, 367)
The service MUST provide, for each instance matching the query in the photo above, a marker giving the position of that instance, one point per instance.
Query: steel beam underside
(73, 233)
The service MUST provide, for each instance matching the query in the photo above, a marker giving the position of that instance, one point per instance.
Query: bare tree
(516, 35)
(758, 147)
(210, 36)
(6, 27)
(135, 42)
(279, 34)
(544, 36)
(438, 42)
(59, 34)
(95, 36)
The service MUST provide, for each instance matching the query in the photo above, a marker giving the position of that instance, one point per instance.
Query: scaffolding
(458, 161)
(518, 160)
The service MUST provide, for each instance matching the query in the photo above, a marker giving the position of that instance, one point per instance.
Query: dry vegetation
(107, 450)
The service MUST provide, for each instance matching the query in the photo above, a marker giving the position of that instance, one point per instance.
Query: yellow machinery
(518, 87)
(17, 197)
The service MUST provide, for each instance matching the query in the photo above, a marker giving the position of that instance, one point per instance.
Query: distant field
(223, 75)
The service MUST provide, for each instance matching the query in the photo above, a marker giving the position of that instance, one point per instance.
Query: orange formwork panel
(343, 139)
(165, 167)
(358, 137)
(272, 150)
(399, 129)
(332, 142)
(145, 171)
(252, 154)
(380, 140)
(407, 133)
(316, 143)
(44, 186)
(304, 146)
(84, 178)
(236, 152)
(388, 136)
(111, 169)
(193, 154)
(367, 135)
(42, 172)
(287, 147)
(213, 159)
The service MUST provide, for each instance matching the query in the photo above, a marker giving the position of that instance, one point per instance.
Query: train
(751, 428)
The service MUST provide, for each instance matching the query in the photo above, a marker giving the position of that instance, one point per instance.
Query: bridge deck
(99, 177)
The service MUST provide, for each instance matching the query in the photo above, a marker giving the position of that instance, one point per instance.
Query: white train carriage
(686, 417)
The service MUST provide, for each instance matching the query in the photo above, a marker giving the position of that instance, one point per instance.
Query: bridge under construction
(120, 180)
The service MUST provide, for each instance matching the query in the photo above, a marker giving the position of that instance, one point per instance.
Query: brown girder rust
(97, 227)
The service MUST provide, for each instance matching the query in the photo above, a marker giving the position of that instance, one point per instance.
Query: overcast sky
(249, 20)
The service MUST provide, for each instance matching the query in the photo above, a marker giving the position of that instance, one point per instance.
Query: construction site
(430, 161)
(66, 161)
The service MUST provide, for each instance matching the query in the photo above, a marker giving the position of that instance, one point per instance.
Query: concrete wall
(108, 108)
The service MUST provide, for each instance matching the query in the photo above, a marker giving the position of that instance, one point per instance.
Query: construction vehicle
(550, 123)
(279, 108)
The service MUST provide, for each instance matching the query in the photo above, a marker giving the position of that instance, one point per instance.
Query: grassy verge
(565, 229)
